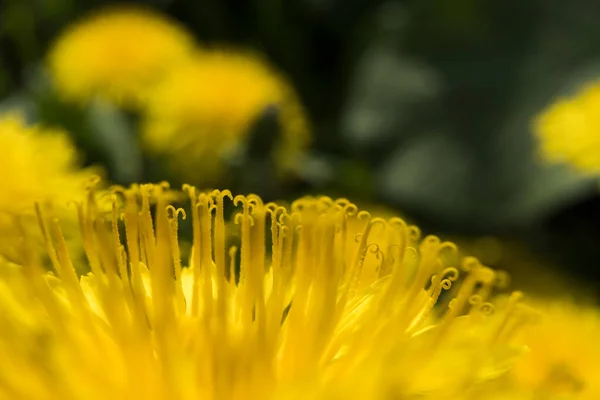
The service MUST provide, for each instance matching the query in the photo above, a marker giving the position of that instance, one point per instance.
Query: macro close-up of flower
(291, 200)
(568, 130)
(203, 111)
(41, 166)
(297, 301)
(116, 54)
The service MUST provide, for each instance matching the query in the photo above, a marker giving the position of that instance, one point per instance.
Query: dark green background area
(421, 105)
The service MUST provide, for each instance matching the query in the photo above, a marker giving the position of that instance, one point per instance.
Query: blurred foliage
(423, 105)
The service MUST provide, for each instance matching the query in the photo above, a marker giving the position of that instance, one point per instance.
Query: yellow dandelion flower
(300, 302)
(568, 130)
(564, 359)
(204, 109)
(117, 54)
(39, 165)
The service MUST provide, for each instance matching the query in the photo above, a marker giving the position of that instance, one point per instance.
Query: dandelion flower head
(568, 130)
(117, 54)
(202, 112)
(39, 165)
(564, 358)
(289, 302)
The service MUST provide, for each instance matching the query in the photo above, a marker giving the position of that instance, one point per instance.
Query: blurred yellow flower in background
(568, 130)
(564, 358)
(202, 112)
(38, 165)
(117, 54)
(298, 308)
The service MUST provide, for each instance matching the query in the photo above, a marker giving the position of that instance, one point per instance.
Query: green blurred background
(423, 106)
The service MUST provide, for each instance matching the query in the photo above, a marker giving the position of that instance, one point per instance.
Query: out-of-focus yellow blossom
(203, 111)
(305, 311)
(564, 358)
(118, 54)
(38, 165)
(568, 130)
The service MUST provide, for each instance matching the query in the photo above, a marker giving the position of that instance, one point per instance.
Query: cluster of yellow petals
(40, 165)
(568, 130)
(117, 54)
(285, 303)
(204, 110)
